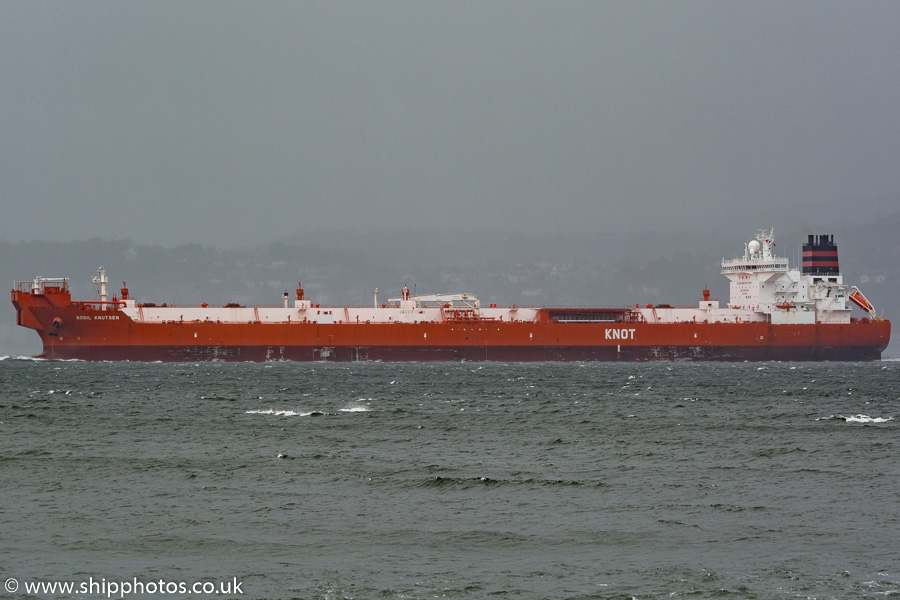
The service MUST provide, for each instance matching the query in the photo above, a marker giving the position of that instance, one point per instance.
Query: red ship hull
(82, 331)
(497, 354)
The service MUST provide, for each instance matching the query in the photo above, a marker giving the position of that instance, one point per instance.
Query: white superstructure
(765, 289)
(763, 283)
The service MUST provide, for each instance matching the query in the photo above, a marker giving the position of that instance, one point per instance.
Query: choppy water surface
(449, 480)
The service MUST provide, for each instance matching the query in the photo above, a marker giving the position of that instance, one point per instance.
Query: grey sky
(169, 122)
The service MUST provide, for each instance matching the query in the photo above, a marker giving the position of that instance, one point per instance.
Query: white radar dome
(753, 247)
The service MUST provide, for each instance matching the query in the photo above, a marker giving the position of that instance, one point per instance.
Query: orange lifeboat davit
(857, 298)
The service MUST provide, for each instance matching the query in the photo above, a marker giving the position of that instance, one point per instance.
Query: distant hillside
(345, 268)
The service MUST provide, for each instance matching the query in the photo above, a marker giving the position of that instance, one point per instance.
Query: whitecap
(356, 409)
(856, 419)
(279, 413)
(867, 419)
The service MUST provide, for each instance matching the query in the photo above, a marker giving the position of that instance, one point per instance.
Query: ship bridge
(740, 266)
(754, 274)
(757, 258)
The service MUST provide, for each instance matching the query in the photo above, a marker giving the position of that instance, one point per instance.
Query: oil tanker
(774, 313)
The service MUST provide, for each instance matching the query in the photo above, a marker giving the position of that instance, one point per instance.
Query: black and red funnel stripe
(820, 256)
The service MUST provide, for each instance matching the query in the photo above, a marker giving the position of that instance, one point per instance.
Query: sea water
(449, 480)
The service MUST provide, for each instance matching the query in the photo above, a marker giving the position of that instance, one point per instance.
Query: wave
(294, 413)
(469, 482)
(867, 419)
(285, 413)
(856, 419)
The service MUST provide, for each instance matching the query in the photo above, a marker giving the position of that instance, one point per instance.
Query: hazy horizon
(233, 123)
